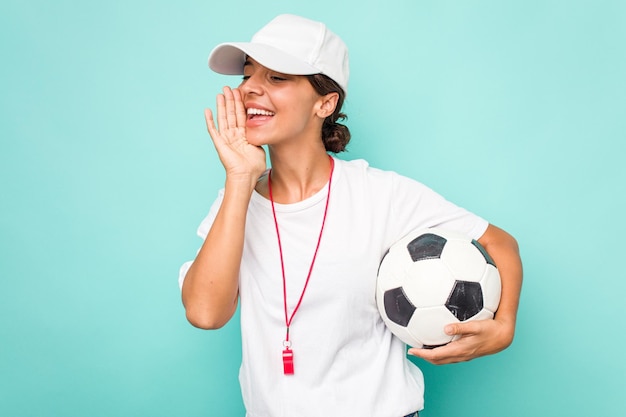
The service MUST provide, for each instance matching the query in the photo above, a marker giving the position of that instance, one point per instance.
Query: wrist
(241, 182)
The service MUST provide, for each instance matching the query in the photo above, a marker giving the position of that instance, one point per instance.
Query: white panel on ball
(465, 262)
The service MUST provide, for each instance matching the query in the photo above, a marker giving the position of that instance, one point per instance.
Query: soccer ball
(431, 278)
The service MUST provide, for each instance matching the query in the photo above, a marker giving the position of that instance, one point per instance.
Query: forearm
(211, 286)
(504, 250)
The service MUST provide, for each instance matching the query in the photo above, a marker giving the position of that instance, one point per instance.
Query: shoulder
(360, 169)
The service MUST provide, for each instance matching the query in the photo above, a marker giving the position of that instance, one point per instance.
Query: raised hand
(242, 161)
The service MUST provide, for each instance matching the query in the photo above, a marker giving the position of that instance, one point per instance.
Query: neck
(297, 176)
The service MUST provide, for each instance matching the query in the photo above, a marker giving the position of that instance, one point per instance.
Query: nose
(252, 84)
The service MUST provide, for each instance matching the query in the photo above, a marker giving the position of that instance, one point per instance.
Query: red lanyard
(287, 352)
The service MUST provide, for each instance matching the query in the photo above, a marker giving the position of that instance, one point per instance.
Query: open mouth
(258, 113)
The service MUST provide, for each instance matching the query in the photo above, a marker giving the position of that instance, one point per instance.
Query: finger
(222, 123)
(449, 353)
(231, 114)
(240, 110)
(210, 124)
(430, 355)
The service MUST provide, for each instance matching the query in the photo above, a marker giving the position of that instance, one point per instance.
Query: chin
(256, 140)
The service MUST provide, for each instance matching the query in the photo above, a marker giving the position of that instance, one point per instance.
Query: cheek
(299, 112)
(301, 119)
(302, 109)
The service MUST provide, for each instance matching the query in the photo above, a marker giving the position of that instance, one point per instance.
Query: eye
(277, 78)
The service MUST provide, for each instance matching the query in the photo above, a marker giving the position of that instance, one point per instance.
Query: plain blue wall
(515, 110)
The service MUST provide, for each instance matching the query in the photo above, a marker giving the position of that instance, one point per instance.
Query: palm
(239, 157)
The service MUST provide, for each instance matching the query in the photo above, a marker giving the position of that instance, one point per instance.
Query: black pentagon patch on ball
(426, 246)
(398, 307)
(465, 300)
(482, 250)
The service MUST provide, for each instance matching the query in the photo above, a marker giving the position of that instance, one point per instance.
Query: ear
(327, 105)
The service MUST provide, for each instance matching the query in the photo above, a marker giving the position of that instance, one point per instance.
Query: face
(280, 107)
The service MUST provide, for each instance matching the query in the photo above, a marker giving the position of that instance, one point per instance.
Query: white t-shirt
(346, 360)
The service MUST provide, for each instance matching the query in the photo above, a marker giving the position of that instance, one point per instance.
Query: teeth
(260, 112)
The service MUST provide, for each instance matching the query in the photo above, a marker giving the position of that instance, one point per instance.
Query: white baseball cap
(289, 44)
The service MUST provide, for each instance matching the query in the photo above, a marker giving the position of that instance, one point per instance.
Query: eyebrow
(247, 61)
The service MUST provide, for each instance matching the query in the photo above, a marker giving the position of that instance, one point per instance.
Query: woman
(299, 246)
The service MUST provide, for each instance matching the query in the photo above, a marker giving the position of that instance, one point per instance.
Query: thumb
(464, 328)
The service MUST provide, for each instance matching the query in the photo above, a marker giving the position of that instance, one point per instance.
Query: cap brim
(229, 58)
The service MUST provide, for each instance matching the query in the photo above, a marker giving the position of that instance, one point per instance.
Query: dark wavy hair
(334, 135)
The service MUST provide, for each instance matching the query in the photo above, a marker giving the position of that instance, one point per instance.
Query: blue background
(514, 110)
